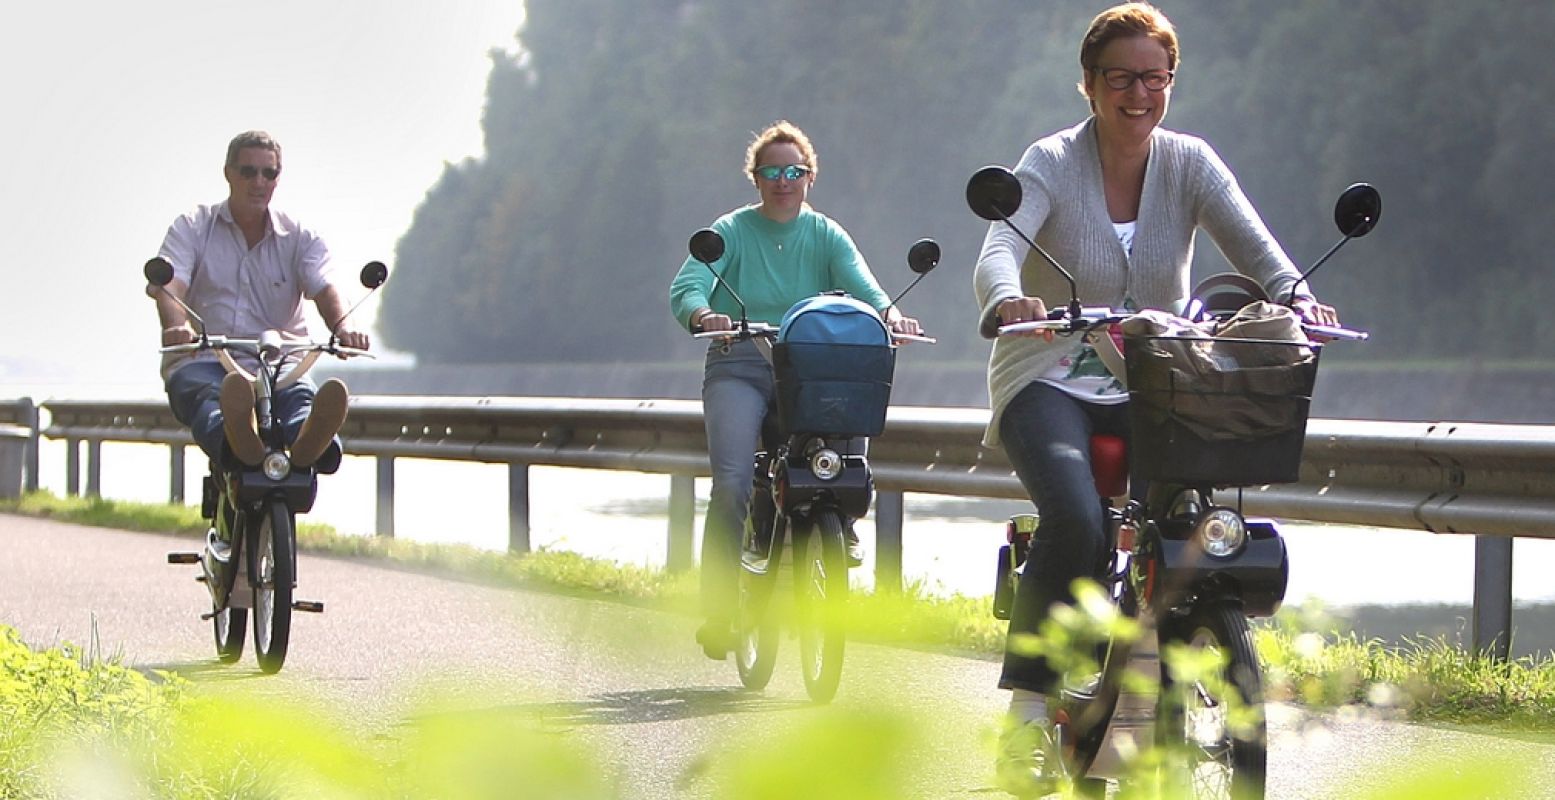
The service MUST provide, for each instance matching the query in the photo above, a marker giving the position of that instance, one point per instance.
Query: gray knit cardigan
(1187, 187)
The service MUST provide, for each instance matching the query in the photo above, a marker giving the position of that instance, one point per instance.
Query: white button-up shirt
(242, 291)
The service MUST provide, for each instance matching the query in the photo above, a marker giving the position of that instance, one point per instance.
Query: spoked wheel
(230, 626)
(821, 592)
(755, 623)
(274, 558)
(1212, 717)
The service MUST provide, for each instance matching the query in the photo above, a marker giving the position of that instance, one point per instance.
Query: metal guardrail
(1493, 481)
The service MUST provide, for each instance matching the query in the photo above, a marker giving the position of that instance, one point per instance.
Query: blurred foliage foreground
(73, 724)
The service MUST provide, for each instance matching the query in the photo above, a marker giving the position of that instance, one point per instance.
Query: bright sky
(117, 120)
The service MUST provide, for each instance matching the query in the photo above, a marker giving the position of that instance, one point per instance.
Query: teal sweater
(773, 265)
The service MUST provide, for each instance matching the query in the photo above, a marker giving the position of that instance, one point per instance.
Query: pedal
(183, 558)
(200, 578)
(311, 606)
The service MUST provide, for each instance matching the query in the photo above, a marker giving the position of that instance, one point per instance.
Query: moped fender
(300, 488)
(1258, 575)
(852, 491)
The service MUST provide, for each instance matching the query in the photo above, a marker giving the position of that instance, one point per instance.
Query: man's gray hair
(251, 139)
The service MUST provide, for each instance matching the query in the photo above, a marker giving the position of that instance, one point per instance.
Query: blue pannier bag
(833, 360)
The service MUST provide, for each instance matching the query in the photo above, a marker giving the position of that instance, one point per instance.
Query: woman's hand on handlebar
(898, 322)
(709, 320)
(1024, 309)
(1310, 310)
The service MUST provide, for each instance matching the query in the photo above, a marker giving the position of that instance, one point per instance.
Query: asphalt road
(624, 684)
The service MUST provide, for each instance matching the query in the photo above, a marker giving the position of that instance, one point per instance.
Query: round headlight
(276, 466)
(826, 464)
(1222, 532)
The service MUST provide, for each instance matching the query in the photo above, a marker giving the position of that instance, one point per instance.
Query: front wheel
(1211, 713)
(821, 589)
(756, 622)
(274, 560)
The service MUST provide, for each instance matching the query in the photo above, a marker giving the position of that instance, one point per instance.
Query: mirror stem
(1290, 298)
(1074, 292)
(903, 293)
(744, 321)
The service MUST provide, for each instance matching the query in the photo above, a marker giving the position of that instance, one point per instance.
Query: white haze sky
(116, 119)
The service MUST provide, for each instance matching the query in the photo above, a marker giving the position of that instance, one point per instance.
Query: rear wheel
(755, 622)
(274, 560)
(1211, 715)
(230, 626)
(821, 590)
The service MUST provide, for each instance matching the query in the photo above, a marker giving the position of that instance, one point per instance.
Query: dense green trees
(619, 126)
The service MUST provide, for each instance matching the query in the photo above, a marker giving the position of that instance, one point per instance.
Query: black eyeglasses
(249, 172)
(1119, 78)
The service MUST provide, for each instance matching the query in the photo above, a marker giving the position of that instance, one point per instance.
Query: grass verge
(1308, 657)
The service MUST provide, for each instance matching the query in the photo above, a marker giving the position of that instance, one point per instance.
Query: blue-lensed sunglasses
(792, 172)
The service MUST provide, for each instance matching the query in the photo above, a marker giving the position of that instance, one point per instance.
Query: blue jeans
(194, 394)
(1046, 435)
(738, 389)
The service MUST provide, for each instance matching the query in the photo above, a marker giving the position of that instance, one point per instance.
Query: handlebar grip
(913, 337)
(1335, 332)
(1055, 325)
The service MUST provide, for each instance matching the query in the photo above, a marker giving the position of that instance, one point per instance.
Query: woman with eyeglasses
(776, 252)
(1117, 200)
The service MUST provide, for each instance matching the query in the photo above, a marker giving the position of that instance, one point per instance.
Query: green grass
(77, 724)
(1309, 660)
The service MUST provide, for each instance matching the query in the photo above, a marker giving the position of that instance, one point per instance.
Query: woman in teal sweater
(776, 253)
(1118, 200)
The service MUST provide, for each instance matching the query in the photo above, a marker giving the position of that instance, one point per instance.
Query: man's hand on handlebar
(1024, 309)
(354, 339)
(179, 334)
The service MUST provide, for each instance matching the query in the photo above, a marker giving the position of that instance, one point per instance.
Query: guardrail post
(94, 467)
(518, 508)
(13, 461)
(29, 416)
(888, 542)
(1493, 596)
(678, 554)
(72, 466)
(175, 492)
(385, 522)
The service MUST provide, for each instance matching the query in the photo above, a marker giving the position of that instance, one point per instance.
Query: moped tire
(274, 557)
(821, 594)
(1213, 727)
(230, 627)
(756, 623)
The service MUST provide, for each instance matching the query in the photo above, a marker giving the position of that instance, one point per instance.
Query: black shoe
(854, 547)
(717, 639)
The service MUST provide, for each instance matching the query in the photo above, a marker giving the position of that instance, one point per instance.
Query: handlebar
(1092, 318)
(1335, 332)
(762, 330)
(1059, 321)
(750, 330)
(267, 345)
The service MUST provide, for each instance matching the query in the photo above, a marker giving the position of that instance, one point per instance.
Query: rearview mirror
(159, 272)
(707, 246)
(993, 193)
(1358, 209)
(374, 273)
(923, 256)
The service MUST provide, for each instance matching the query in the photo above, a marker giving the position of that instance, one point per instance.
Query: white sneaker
(1027, 763)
